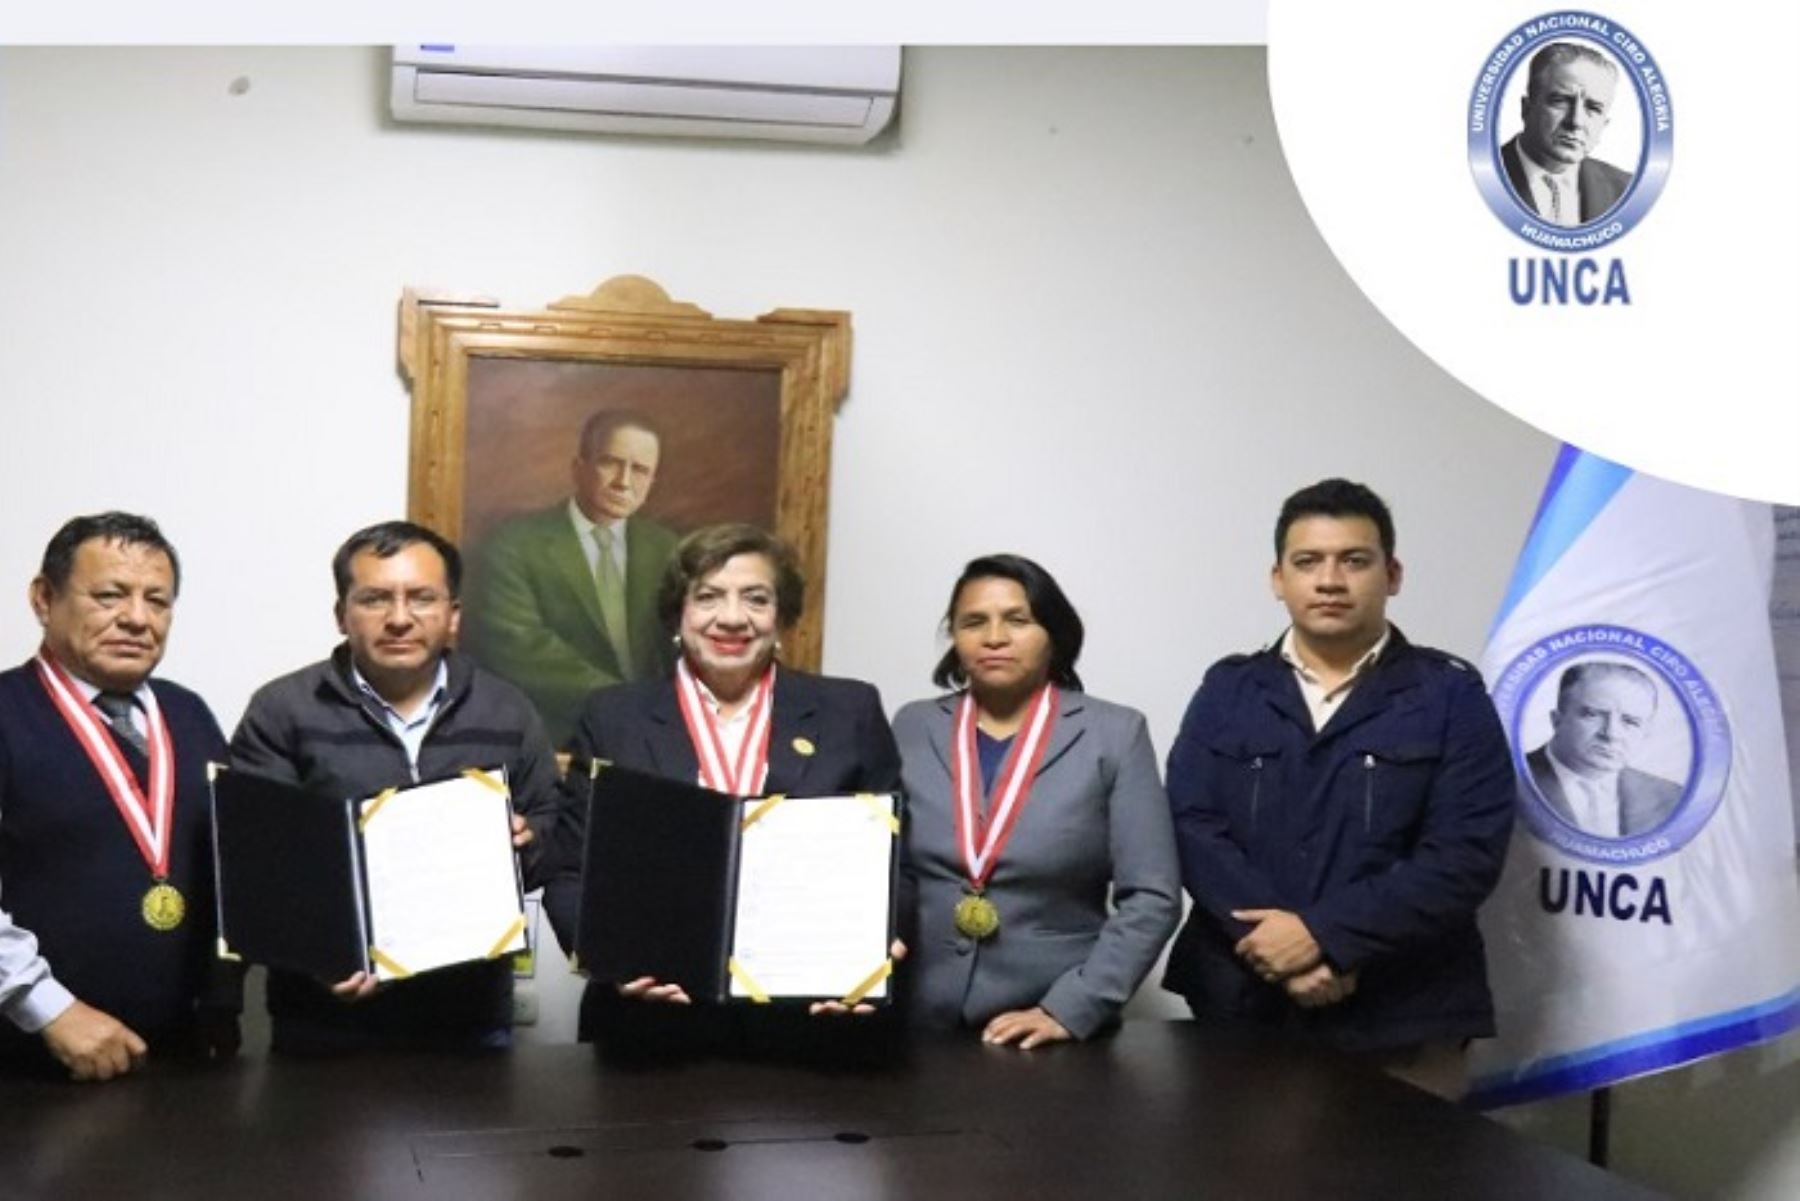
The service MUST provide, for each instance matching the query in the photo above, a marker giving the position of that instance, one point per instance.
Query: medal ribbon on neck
(745, 777)
(982, 840)
(150, 821)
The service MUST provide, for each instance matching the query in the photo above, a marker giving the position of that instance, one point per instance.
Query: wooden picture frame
(743, 411)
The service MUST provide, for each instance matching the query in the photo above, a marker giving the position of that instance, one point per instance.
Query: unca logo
(1570, 131)
(1621, 747)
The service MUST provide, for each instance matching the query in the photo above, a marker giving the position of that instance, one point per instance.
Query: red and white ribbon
(745, 776)
(151, 821)
(981, 841)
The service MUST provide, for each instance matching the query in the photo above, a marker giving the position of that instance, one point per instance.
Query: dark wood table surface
(1159, 1110)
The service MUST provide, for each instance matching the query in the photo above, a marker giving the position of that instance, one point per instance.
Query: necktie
(118, 709)
(1556, 214)
(1600, 817)
(609, 582)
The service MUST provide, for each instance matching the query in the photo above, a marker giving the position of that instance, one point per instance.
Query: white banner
(1649, 914)
(1784, 619)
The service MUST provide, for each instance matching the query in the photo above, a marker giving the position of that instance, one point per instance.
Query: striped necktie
(119, 709)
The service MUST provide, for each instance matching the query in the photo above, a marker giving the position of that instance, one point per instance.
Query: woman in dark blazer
(1027, 801)
(728, 593)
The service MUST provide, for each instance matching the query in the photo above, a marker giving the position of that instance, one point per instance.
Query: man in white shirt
(1567, 104)
(1603, 712)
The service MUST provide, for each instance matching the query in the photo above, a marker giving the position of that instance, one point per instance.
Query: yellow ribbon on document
(512, 932)
(884, 812)
(749, 985)
(869, 982)
(381, 959)
(755, 814)
(488, 779)
(373, 806)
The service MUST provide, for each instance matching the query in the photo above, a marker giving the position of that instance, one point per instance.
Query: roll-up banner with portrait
(1784, 617)
(1649, 914)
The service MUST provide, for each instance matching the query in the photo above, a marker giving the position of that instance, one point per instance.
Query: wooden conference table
(1161, 1110)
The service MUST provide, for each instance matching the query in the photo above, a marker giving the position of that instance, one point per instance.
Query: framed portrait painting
(566, 450)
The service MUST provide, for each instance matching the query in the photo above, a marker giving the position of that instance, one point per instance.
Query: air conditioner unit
(842, 94)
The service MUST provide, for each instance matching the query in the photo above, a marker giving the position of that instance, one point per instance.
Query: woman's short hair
(709, 548)
(1050, 608)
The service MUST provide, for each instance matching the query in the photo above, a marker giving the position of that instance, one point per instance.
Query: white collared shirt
(1595, 803)
(1321, 701)
(590, 546)
(732, 730)
(410, 731)
(1568, 186)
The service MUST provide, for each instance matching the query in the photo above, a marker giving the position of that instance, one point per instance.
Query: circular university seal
(1614, 691)
(1613, 200)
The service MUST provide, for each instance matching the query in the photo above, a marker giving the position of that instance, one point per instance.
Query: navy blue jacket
(848, 748)
(1384, 833)
(74, 877)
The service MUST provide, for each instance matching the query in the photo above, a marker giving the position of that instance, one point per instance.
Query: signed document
(813, 896)
(395, 884)
(738, 899)
(443, 883)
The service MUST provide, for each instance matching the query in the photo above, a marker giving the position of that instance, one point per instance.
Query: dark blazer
(73, 877)
(1602, 184)
(534, 612)
(1645, 800)
(826, 736)
(1097, 820)
(1384, 832)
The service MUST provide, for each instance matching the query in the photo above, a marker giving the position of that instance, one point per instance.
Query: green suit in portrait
(534, 612)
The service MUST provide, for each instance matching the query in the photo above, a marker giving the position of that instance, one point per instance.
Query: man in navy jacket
(1343, 801)
(106, 917)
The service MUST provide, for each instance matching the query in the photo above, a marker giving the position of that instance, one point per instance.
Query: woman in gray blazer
(1028, 800)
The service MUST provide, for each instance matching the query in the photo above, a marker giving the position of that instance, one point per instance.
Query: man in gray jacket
(395, 706)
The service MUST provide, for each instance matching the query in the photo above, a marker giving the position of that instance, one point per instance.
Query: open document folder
(398, 883)
(733, 898)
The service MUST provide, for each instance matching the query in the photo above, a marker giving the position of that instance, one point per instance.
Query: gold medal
(163, 906)
(976, 917)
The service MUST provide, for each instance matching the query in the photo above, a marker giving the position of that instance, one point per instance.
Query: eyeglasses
(420, 602)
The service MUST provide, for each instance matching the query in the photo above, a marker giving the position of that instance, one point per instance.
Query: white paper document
(443, 888)
(814, 883)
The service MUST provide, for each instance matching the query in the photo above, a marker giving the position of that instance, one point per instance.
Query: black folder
(292, 872)
(660, 883)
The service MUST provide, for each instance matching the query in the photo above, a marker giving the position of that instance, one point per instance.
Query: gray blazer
(1097, 816)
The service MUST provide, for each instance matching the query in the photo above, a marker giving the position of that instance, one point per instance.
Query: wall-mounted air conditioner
(801, 94)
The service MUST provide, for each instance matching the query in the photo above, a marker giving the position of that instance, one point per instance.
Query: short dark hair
(709, 548)
(1335, 498)
(1050, 608)
(1557, 53)
(1599, 669)
(127, 529)
(598, 430)
(384, 540)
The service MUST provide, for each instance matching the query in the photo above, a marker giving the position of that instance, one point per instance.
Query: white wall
(1093, 324)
